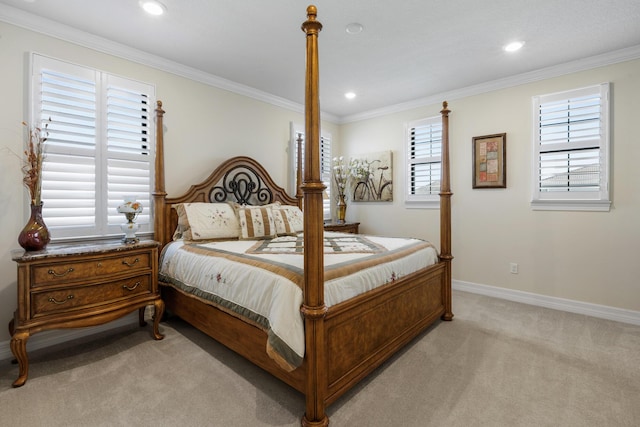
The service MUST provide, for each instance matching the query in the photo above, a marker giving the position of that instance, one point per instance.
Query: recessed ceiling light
(152, 7)
(512, 47)
(354, 28)
(350, 95)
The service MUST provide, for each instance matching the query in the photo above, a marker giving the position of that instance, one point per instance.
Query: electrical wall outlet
(513, 268)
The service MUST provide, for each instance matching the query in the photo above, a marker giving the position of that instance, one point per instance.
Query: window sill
(571, 205)
(422, 204)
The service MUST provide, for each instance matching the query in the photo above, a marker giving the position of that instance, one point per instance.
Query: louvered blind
(571, 144)
(99, 147)
(424, 159)
(128, 150)
(569, 138)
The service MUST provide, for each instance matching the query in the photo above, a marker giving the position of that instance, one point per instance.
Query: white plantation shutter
(571, 149)
(325, 164)
(99, 147)
(424, 162)
(128, 149)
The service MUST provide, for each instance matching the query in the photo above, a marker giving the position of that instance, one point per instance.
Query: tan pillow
(256, 223)
(206, 221)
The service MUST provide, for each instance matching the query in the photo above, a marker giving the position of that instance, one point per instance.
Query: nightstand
(343, 227)
(72, 286)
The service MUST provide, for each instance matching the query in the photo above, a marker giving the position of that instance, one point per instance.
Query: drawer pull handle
(53, 273)
(53, 300)
(132, 288)
(128, 264)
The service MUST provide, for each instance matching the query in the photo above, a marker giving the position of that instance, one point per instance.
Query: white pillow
(205, 221)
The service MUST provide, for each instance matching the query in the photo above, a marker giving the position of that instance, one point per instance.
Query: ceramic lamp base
(129, 229)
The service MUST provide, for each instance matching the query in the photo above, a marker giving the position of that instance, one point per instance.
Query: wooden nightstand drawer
(51, 273)
(83, 296)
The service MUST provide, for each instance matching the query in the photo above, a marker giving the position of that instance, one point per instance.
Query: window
(571, 150)
(99, 148)
(424, 161)
(325, 164)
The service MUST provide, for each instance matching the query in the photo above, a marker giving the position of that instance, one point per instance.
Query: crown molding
(609, 58)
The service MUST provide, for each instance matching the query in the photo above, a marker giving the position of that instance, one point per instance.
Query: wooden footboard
(363, 332)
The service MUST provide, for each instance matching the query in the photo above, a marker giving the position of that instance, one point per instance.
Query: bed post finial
(445, 213)
(312, 12)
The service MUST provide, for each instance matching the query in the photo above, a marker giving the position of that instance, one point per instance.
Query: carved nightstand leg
(157, 315)
(19, 350)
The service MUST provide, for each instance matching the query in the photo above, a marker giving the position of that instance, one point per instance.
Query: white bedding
(268, 286)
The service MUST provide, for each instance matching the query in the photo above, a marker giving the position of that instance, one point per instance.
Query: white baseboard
(58, 336)
(588, 309)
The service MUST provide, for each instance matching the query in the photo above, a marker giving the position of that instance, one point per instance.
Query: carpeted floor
(499, 363)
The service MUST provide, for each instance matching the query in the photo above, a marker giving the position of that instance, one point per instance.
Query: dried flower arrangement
(32, 166)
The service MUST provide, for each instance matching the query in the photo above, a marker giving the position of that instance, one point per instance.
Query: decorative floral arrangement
(32, 166)
(341, 175)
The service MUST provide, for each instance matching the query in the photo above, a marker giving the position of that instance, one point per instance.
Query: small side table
(72, 286)
(343, 227)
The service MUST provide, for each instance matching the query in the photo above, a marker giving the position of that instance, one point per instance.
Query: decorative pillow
(281, 220)
(256, 222)
(294, 217)
(206, 221)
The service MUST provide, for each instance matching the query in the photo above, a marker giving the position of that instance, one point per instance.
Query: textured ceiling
(409, 49)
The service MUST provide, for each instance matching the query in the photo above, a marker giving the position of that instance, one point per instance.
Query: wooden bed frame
(345, 342)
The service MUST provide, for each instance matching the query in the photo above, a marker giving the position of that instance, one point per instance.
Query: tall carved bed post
(313, 307)
(159, 194)
(445, 214)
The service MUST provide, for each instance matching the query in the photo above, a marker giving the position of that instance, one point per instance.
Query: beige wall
(584, 256)
(204, 126)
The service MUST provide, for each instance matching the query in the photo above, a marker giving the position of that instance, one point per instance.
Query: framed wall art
(490, 161)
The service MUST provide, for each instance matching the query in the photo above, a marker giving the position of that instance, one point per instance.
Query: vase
(341, 209)
(35, 235)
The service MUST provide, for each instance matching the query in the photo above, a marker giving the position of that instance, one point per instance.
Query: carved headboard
(239, 179)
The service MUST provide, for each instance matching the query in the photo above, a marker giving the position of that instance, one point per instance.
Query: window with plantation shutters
(571, 150)
(325, 164)
(99, 147)
(423, 162)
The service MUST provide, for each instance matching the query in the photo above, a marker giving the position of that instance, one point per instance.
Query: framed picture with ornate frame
(490, 161)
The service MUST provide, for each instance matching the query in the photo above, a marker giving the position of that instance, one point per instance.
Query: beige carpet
(498, 363)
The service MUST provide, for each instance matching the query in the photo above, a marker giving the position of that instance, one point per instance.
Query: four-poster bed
(343, 341)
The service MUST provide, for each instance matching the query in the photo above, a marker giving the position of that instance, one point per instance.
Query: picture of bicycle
(373, 178)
